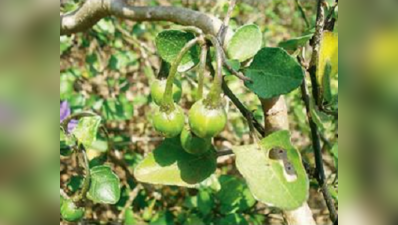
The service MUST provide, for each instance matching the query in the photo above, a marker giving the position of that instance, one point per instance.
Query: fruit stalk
(168, 103)
(87, 178)
(213, 99)
(202, 69)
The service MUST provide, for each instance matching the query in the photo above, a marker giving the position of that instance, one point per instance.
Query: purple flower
(64, 113)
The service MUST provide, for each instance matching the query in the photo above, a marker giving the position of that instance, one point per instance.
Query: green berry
(158, 88)
(169, 124)
(206, 121)
(194, 144)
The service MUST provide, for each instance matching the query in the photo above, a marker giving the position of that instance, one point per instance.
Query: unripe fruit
(158, 88)
(207, 122)
(169, 124)
(70, 212)
(193, 144)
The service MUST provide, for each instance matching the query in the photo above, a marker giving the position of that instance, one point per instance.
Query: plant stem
(315, 53)
(87, 178)
(213, 99)
(168, 103)
(77, 116)
(316, 145)
(202, 70)
(300, 8)
(221, 33)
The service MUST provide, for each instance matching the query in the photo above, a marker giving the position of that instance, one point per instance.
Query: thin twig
(131, 40)
(232, 70)
(316, 40)
(221, 33)
(302, 12)
(316, 144)
(87, 177)
(132, 195)
(224, 152)
(114, 158)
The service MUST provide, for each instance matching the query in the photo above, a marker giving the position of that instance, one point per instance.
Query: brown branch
(93, 10)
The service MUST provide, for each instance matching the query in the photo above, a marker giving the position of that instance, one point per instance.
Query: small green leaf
(118, 109)
(232, 219)
(234, 195)
(294, 43)
(274, 73)
(86, 130)
(65, 143)
(170, 42)
(205, 202)
(129, 218)
(245, 43)
(105, 186)
(169, 164)
(193, 219)
(282, 182)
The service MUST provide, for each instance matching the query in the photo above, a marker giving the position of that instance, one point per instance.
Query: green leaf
(234, 195)
(169, 164)
(105, 186)
(86, 130)
(193, 219)
(129, 218)
(65, 143)
(294, 43)
(205, 202)
(232, 219)
(118, 109)
(282, 182)
(274, 73)
(170, 42)
(245, 43)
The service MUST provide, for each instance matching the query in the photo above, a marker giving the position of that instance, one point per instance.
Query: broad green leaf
(86, 130)
(274, 73)
(245, 43)
(169, 164)
(328, 56)
(281, 183)
(105, 186)
(170, 42)
(294, 43)
(234, 195)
